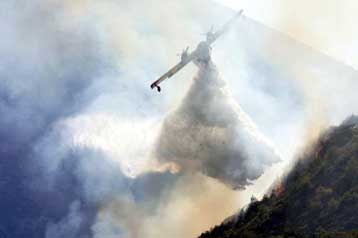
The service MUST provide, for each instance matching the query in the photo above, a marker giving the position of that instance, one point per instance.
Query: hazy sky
(326, 25)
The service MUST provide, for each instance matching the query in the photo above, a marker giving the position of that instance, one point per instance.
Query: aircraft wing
(226, 27)
(172, 71)
(191, 56)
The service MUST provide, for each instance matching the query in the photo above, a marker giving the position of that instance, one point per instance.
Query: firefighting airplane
(201, 55)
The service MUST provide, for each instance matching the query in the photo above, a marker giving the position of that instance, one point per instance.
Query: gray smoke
(210, 132)
(78, 120)
(68, 226)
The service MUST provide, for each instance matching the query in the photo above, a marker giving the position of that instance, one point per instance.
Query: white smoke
(76, 105)
(210, 132)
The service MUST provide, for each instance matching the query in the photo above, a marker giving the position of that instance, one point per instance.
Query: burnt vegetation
(317, 199)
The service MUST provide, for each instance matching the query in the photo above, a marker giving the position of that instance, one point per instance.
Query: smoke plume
(211, 133)
(79, 123)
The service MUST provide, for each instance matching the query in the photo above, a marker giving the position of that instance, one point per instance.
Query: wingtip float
(201, 55)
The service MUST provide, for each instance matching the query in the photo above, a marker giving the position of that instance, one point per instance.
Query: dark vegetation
(317, 199)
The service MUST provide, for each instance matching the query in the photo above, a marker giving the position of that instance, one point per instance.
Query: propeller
(210, 31)
(185, 50)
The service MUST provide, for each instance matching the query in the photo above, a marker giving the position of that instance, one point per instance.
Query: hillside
(318, 198)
